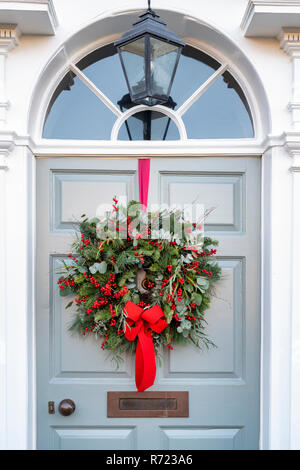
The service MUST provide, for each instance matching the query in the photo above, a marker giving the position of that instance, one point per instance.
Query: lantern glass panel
(133, 59)
(149, 125)
(163, 62)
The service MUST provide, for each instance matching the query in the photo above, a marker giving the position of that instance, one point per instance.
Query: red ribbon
(141, 323)
(144, 175)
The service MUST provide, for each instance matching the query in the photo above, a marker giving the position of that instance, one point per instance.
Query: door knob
(66, 407)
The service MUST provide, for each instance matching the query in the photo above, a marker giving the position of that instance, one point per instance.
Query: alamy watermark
(177, 222)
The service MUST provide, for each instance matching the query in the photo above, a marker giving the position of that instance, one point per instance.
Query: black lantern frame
(145, 116)
(149, 27)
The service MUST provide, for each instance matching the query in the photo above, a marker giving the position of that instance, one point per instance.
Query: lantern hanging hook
(149, 11)
(149, 7)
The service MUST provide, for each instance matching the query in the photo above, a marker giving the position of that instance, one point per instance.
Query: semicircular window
(93, 96)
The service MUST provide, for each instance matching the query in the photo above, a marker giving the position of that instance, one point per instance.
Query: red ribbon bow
(140, 324)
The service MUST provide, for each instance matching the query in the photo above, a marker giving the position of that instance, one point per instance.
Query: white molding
(290, 41)
(295, 335)
(180, 148)
(32, 16)
(16, 203)
(265, 18)
(3, 310)
(174, 115)
(9, 37)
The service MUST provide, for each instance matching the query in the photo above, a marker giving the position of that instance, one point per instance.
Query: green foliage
(104, 277)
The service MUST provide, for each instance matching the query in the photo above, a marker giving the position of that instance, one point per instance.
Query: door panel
(94, 438)
(202, 439)
(225, 325)
(223, 383)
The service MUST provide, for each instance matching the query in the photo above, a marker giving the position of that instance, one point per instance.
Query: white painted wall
(31, 71)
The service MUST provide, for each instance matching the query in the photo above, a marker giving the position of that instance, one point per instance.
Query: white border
(277, 429)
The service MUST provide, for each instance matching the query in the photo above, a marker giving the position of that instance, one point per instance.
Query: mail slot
(147, 404)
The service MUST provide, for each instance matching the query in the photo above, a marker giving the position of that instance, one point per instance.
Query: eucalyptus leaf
(186, 325)
(81, 269)
(65, 292)
(202, 283)
(189, 288)
(99, 267)
(131, 285)
(102, 267)
(180, 307)
(197, 298)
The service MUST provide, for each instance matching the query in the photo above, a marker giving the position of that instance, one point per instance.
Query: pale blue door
(223, 383)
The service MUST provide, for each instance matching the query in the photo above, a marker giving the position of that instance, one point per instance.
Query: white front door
(223, 383)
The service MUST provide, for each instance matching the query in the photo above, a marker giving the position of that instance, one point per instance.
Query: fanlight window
(92, 103)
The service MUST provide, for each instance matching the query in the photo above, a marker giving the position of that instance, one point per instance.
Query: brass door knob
(66, 407)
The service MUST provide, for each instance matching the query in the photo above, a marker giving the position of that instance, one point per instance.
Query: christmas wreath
(141, 282)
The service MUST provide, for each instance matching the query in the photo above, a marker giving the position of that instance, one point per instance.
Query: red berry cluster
(83, 299)
(195, 267)
(179, 294)
(121, 292)
(106, 289)
(88, 329)
(139, 256)
(72, 257)
(115, 204)
(112, 310)
(91, 279)
(190, 317)
(177, 318)
(97, 304)
(152, 243)
(84, 241)
(65, 283)
(105, 341)
(143, 304)
(165, 281)
(208, 253)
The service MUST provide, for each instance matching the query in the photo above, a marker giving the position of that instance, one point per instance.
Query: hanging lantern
(149, 55)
